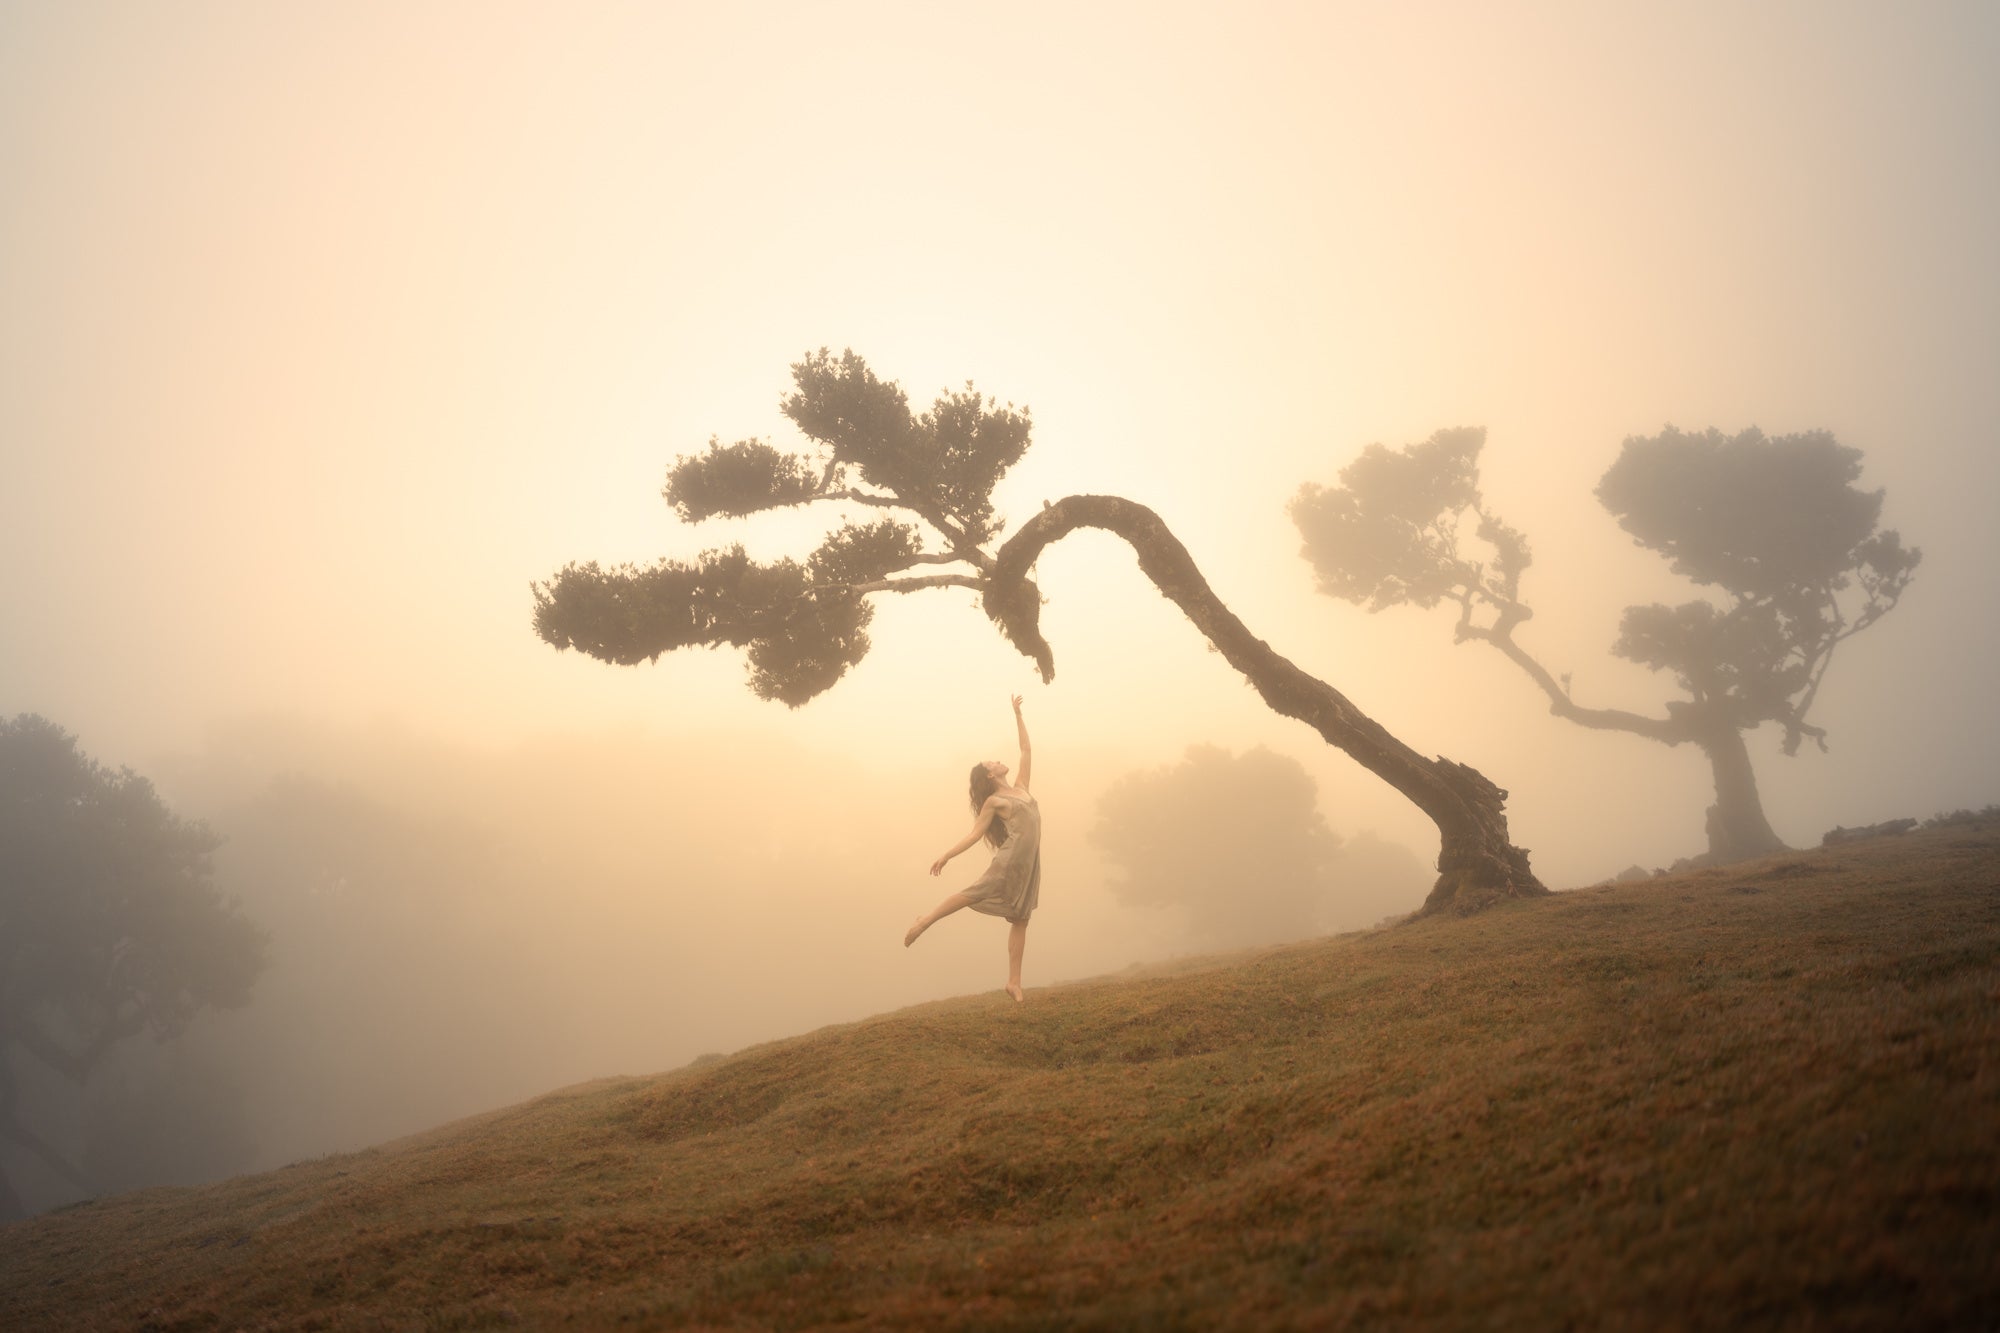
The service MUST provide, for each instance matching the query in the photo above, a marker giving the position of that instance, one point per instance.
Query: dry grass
(1765, 1096)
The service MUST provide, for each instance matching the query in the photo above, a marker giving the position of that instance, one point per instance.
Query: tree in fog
(1236, 841)
(1774, 525)
(929, 479)
(110, 926)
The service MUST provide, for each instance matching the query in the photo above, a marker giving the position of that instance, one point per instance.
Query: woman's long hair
(984, 786)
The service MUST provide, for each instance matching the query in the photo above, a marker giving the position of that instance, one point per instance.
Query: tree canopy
(803, 624)
(1775, 525)
(110, 924)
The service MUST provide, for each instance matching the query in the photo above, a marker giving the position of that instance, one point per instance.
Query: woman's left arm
(1025, 769)
(987, 814)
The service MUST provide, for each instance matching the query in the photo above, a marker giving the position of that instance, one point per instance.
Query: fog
(323, 332)
(454, 930)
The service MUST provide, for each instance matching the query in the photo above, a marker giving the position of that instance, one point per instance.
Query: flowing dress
(1012, 885)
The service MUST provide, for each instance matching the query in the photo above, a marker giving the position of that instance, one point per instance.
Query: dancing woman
(1008, 818)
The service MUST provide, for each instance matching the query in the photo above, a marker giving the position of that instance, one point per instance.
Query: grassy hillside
(1767, 1095)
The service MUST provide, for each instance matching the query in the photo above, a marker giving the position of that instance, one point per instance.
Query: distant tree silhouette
(109, 924)
(1774, 524)
(1237, 841)
(804, 623)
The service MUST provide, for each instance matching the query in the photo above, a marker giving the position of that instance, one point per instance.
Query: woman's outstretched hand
(1017, 705)
(937, 866)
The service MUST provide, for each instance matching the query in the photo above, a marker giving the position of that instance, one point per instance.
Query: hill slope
(1765, 1095)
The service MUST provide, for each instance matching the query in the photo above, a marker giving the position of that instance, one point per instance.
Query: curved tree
(110, 925)
(1774, 524)
(803, 623)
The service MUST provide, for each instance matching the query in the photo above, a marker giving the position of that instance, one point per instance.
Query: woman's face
(997, 769)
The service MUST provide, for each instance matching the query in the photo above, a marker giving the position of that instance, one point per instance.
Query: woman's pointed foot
(1014, 989)
(917, 927)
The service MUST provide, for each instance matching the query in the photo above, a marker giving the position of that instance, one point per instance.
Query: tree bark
(1477, 863)
(1737, 828)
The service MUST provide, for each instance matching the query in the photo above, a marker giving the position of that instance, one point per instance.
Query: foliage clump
(803, 624)
(1777, 525)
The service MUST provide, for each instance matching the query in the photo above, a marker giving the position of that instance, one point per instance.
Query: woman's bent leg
(935, 915)
(1017, 942)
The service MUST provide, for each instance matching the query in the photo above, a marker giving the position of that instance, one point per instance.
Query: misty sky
(324, 329)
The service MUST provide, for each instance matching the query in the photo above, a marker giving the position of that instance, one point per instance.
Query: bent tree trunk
(1477, 864)
(1737, 828)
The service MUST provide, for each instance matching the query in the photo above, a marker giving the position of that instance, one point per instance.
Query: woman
(1009, 819)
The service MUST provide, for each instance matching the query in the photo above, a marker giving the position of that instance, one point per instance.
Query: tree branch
(962, 546)
(1794, 720)
(1664, 730)
(827, 491)
(55, 1161)
(863, 497)
(1510, 613)
(906, 585)
(50, 1052)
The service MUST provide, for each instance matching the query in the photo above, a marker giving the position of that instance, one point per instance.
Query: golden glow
(327, 328)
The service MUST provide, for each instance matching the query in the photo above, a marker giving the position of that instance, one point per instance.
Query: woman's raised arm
(1024, 770)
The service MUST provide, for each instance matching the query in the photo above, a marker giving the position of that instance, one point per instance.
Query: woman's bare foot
(1014, 989)
(917, 927)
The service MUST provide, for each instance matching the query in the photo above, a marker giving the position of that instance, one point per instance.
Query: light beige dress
(1012, 885)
